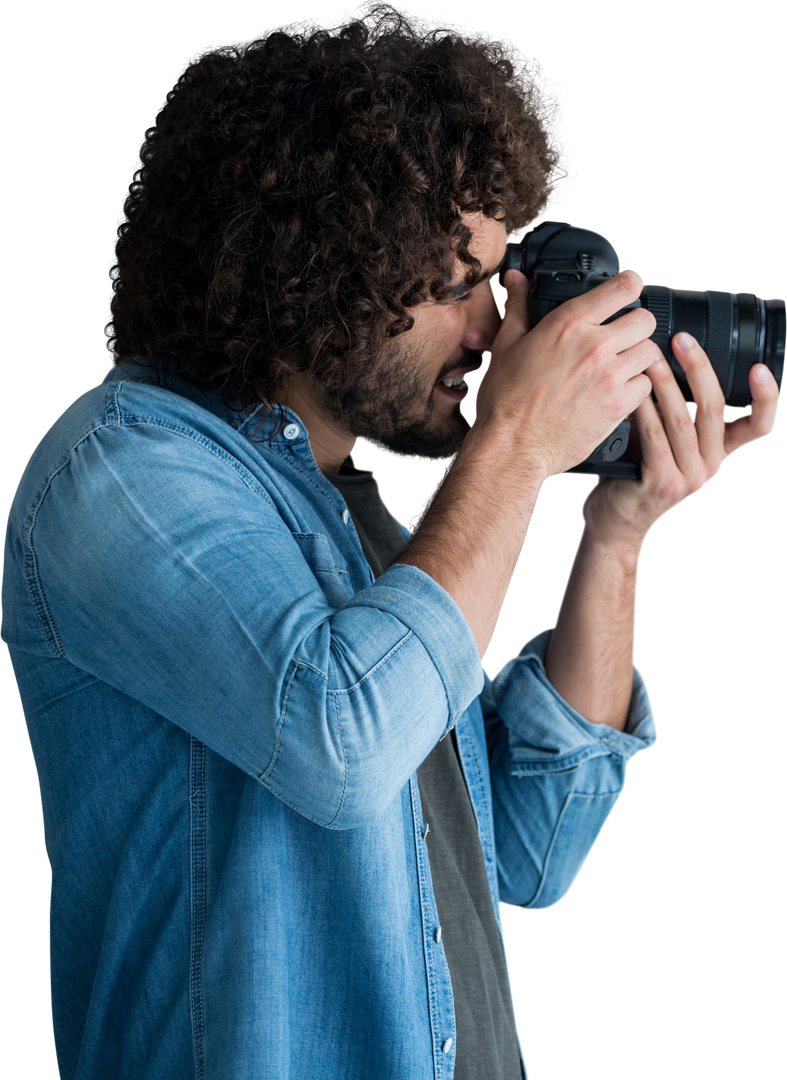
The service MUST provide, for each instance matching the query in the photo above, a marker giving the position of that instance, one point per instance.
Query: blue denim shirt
(227, 713)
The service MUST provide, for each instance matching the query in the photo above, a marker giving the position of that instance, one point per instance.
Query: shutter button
(292, 431)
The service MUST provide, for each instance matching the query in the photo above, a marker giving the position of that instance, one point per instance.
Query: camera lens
(736, 330)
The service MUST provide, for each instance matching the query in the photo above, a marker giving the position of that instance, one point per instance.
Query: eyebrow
(463, 287)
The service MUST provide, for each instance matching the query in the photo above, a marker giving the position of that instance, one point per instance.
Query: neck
(329, 443)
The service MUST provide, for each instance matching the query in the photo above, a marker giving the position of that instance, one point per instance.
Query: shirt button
(438, 934)
(292, 431)
(449, 1042)
(345, 516)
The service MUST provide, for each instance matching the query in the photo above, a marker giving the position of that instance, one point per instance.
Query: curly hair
(301, 193)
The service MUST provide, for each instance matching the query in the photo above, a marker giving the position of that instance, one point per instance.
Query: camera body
(736, 330)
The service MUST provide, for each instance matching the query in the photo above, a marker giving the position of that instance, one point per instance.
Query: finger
(635, 326)
(655, 445)
(760, 421)
(708, 395)
(516, 320)
(676, 416)
(596, 306)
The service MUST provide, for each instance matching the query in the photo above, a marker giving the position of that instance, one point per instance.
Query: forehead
(487, 244)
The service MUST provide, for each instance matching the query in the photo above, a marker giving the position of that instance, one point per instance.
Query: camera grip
(604, 459)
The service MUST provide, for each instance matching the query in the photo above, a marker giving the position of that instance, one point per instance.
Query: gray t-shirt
(486, 1040)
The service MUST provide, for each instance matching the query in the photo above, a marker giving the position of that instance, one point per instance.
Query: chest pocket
(329, 570)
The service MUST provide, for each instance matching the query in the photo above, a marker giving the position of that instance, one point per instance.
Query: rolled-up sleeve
(387, 675)
(162, 567)
(555, 775)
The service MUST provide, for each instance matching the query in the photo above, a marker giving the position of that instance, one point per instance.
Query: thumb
(516, 320)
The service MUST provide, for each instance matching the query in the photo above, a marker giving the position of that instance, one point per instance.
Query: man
(281, 799)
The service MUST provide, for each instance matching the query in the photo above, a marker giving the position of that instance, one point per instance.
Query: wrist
(623, 549)
(503, 441)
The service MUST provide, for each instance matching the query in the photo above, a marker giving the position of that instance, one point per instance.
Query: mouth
(456, 390)
(460, 374)
(457, 385)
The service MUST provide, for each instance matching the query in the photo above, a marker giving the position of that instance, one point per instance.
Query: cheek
(437, 335)
(447, 329)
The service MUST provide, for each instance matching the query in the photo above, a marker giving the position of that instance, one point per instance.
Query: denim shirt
(227, 712)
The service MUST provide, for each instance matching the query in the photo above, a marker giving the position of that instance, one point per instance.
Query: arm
(589, 660)
(470, 538)
(590, 656)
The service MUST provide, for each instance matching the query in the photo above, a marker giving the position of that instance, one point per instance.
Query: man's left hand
(678, 455)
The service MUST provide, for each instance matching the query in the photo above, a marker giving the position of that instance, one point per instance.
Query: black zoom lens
(736, 330)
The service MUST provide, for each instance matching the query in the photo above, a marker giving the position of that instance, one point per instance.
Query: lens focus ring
(719, 340)
(658, 300)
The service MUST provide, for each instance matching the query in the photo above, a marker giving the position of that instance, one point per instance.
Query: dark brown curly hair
(299, 194)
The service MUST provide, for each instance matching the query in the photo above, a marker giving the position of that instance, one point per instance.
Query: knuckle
(597, 350)
(671, 489)
(596, 354)
(701, 363)
(608, 381)
(654, 433)
(619, 405)
(683, 422)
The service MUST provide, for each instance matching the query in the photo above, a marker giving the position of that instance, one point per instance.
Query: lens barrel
(736, 330)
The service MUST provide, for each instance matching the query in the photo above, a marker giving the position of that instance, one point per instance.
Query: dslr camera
(736, 330)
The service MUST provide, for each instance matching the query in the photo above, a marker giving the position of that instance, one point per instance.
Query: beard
(393, 409)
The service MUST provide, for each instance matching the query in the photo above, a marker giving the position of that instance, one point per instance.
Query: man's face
(400, 402)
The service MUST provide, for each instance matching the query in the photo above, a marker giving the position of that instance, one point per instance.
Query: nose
(483, 319)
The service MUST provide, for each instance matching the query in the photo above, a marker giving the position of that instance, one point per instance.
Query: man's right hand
(563, 386)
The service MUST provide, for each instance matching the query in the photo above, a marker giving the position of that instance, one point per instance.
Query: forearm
(471, 535)
(589, 660)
